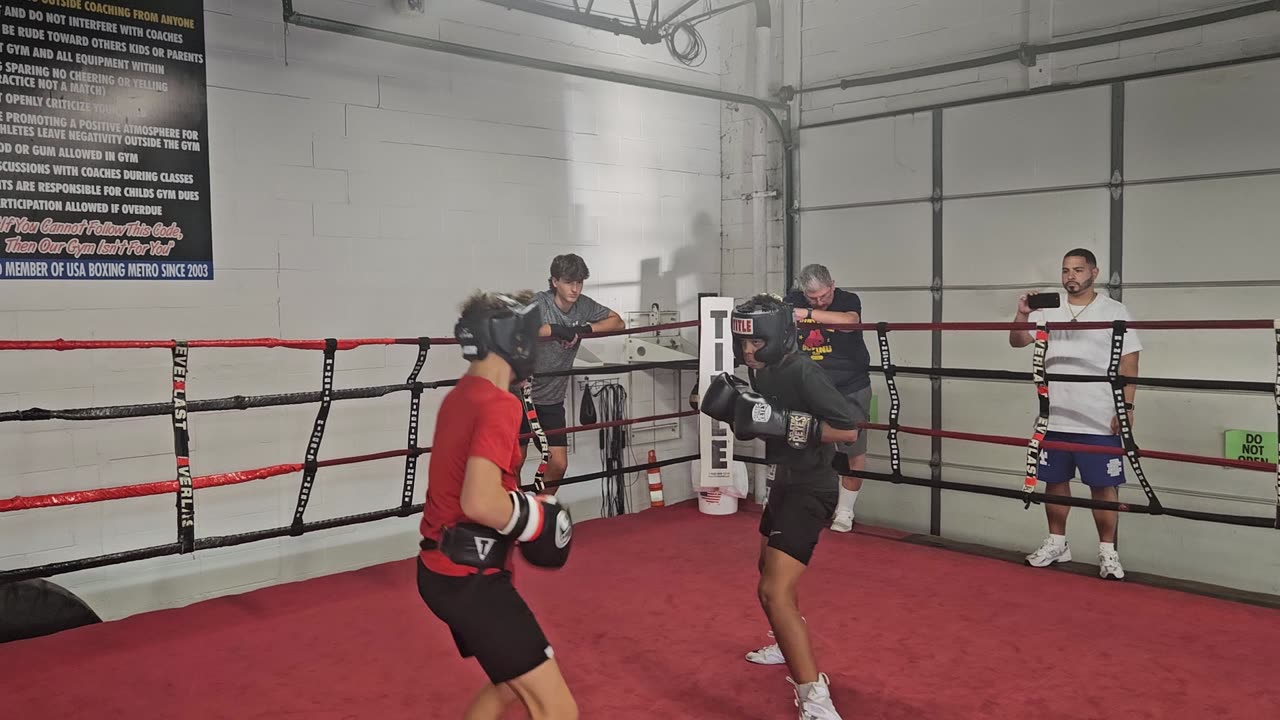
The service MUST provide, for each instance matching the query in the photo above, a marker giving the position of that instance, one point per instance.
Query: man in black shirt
(843, 355)
(796, 409)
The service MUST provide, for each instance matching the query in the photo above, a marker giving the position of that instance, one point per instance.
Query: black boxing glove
(542, 528)
(756, 417)
(721, 397)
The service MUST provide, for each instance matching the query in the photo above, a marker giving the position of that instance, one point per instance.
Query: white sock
(1059, 541)
(1107, 547)
(847, 499)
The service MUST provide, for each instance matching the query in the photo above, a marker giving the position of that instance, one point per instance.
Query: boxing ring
(655, 609)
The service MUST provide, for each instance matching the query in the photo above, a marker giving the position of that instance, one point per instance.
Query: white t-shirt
(1079, 407)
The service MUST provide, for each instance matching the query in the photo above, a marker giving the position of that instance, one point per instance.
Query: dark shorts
(860, 408)
(489, 621)
(1058, 466)
(551, 417)
(796, 516)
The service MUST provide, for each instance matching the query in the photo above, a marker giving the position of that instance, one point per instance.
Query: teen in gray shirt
(567, 314)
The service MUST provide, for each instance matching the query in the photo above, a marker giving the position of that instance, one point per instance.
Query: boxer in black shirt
(799, 413)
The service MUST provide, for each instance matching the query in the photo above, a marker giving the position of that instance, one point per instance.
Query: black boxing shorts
(796, 516)
(551, 417)
(489, 621)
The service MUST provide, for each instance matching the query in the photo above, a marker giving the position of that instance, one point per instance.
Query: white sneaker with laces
(843, 521)
(1109, 567)
(1049, 553)
(814, 699)
(767, 655)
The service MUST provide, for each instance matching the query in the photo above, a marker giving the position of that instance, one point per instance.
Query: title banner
(715, 356)
(104, 159)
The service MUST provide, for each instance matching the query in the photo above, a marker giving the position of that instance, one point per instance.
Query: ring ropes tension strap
(309, 465)
(539, 436)
(1039, 377)
(186, 499)
(1131, 448)
(895, 452)
(415, 402)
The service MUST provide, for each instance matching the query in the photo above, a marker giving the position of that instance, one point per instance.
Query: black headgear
(511, 332)
(772, 322)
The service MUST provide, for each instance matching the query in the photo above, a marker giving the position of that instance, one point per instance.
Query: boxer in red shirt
(476, 515)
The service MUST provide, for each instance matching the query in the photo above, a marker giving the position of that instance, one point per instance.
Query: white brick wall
(847, 39)
(359, 189)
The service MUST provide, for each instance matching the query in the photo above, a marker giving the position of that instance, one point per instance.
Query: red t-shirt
(476, 419)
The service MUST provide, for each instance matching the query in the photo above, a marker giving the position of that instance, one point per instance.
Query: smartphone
(1040, 301)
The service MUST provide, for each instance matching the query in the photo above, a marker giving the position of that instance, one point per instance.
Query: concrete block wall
(844, 39)
(358, 190)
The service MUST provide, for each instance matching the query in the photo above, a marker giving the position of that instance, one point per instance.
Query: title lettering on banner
(715, 356)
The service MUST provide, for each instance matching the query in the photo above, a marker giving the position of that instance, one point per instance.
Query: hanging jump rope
(612, 443)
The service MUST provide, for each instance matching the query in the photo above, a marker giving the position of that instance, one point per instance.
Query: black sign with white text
(104, 159)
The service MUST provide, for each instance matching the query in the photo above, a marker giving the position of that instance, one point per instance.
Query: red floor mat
(651, 619)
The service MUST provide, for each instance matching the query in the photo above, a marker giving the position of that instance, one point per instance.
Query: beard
(1080, 288)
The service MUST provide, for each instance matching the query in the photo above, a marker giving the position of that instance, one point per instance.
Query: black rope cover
(1038, 376)
(895, 403)
(539, 435)
(415, 402)
(1126, 430)
(317, 434)
(186, 500)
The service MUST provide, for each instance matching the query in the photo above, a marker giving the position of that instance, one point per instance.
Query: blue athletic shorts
(1095, 470)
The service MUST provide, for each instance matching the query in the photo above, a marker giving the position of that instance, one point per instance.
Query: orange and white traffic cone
(655, 482)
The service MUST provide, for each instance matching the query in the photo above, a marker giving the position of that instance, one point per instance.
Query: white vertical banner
(715, 356)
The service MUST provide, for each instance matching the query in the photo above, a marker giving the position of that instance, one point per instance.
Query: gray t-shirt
(552, 354)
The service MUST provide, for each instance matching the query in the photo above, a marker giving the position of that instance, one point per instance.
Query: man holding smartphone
(1081, 412)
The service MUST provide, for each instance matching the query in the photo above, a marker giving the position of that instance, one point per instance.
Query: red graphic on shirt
(814, 340)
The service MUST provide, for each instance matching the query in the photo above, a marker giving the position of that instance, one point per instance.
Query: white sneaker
(816, 705)
(1049, 553)
(767, 655)
(843, 521)
(1109, 567)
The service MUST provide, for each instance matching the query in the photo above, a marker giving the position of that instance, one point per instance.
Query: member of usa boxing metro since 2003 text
(475, 515)
(799, 413)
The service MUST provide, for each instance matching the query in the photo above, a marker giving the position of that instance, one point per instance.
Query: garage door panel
(1050, 140)
(1212, 121)
(871, 161)
(867, 246)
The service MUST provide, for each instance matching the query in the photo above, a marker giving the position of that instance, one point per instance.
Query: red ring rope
(347, 344)
(80, 497)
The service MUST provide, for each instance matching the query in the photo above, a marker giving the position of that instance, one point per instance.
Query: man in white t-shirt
(1082, 412)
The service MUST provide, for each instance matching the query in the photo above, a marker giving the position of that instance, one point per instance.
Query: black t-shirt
(797, 383)
(843, 354)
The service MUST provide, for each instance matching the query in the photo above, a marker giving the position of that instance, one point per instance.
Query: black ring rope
(317, 434)
(245, 402)
(539, 435)
(1131, 448)
(895, 404)
(186, 499)
(1038, 376)
(415, 402)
